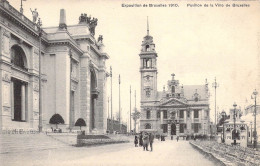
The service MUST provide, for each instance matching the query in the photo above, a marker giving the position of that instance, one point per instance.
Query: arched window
(147, 126)
(147, 47)
(173, 89)
(18, 57)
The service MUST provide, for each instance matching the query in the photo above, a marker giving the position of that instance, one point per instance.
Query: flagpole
(119, 105)
(130, 110)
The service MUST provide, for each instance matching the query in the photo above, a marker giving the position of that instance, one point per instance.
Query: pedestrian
(136, 141)
(151, 138)
(145, 141)
(141, 139)
(177, 138)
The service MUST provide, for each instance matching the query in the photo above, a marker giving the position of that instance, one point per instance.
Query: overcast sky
(193, 43)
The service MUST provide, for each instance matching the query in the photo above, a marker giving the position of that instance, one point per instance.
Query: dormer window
(173, 89)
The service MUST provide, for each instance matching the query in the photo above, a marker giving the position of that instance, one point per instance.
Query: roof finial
(147, 26)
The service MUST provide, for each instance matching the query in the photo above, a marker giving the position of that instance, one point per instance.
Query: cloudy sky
(194, 43)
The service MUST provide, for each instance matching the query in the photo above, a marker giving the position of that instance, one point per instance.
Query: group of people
(145, 139)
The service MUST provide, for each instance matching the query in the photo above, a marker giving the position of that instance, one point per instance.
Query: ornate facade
(180, 110)
(73, 73)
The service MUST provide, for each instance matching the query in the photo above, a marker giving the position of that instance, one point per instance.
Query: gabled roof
(190, 90)
(173, 102)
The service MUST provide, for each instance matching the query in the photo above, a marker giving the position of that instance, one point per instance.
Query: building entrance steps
(15, 143)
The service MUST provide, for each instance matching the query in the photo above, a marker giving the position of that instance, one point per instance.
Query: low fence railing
(234, 154)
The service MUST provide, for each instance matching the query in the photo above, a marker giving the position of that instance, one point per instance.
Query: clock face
(147, 78)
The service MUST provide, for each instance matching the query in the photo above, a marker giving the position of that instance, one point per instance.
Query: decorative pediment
(173, 102)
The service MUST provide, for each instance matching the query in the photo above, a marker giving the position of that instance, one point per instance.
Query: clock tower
(148, 70)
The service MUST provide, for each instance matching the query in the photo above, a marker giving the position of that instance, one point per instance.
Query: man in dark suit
(151, 138)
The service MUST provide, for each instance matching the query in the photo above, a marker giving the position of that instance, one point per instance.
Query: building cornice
(66, 42)
(10, 12)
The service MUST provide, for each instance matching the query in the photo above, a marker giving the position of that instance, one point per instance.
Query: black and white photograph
(129, 82)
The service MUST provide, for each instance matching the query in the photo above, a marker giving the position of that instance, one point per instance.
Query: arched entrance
(93, 99)
(19, 87)
(173, 129)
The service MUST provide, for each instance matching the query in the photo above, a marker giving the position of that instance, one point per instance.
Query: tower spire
(147, 26)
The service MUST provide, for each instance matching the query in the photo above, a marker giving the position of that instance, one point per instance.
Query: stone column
(192, 116)
(169, 129)
(178, 129)
(185, 116)
(23, 102)
(94, 114)
(161, 117)
(12, 99)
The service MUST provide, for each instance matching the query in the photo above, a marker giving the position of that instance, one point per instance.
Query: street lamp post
(224, 115)
(119, 82)
(112, 120)
(39, 24)
(130, 110)
(251, 132)
(234, 105)
(255, 133)
(215, 85)
(21, 8)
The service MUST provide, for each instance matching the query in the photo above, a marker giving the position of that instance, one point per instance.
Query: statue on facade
(100, 38)
(92, 25)
(34, 14)
(83, 18)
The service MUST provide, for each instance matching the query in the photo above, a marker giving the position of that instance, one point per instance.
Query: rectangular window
(196, 113)
(181, 113)
(196, 127)
(165, 114)
(148, 114)
(158, 114)
(19, 100)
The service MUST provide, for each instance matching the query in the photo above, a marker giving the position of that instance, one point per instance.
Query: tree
(80, 122)
(136, 115)
(56, 119)
(222, 120)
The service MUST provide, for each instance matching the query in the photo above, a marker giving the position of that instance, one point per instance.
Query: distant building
(249, 118)
(179, 110)
(251, 109)
(241, 132)
(116, 126)
(73, 73)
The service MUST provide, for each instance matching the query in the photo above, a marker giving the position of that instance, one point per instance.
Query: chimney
(62, 25)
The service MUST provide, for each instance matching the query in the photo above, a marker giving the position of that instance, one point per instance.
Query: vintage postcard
(129, 82)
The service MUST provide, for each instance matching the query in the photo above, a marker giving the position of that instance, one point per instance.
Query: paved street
(166, 153)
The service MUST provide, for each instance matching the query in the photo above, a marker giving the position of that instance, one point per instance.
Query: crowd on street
(145, 140)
